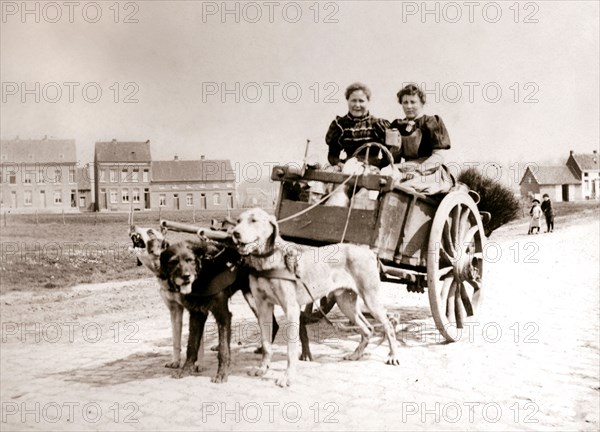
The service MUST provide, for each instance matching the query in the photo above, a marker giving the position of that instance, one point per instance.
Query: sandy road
(90, 358)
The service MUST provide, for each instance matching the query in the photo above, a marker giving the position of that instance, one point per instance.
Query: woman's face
(358, 103)
(412, 106)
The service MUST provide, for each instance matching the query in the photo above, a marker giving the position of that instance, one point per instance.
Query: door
(565, 192)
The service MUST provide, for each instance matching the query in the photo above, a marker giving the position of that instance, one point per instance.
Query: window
(135, 175)
(57, 198)
(81, 201)
(113, 196)
(71, 174)
(203, 201)
(27, 198)
(230, 200)
(189, 199)
(135, 195)
(162, 200)
(29, 177)
(12, 178)
(57, 175)
(217, 199)
(104, 175)
(125, 195)
(124, 175)
(145, 176)
(113, 175)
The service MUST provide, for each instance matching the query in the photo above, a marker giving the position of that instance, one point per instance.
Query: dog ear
(275, 225)
(163, 272)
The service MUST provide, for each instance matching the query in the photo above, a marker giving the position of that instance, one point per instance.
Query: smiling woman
(356, 128)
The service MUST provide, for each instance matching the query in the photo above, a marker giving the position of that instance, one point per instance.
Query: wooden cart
(421, 241)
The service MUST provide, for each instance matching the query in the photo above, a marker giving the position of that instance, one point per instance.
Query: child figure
(548, 213)
(536, 217)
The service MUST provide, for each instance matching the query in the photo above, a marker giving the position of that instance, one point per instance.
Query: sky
(516, 83)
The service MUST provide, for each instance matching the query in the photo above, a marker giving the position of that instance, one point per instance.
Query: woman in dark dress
(356, 128)
(424, 139)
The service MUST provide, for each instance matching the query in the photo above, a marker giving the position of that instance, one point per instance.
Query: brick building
(122, 175)
(192, 184)
(38, 175)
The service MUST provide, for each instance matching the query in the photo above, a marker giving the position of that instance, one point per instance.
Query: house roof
(83, 178)
(586, 161)
(38, 151)
(553, 175)
(192, 170)
(123, 151)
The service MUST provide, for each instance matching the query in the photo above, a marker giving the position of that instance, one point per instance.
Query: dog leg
(197, 321)
(292, 313)
(176, 311)
(348, 304)
(252, 305)
(223, 318)
(305, 354)
(378, 311)
(264, 311)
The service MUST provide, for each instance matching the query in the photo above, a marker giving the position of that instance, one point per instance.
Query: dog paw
(306, 357)
(257, 372)
(174, 364)
(219, 379)
(392, 360)
(353, 357)
(284, 381)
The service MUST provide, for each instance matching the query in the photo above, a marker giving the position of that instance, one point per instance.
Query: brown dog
(291, 275)
(199, 276)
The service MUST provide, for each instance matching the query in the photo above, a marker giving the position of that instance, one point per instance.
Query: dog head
(255, 232)
(181, 264)
(148, 244)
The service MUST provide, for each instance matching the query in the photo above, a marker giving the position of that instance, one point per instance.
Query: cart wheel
(455, 263)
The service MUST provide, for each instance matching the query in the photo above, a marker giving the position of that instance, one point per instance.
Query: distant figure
(548, 213)
(536, 217)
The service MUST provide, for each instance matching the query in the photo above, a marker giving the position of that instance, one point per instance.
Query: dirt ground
(91, 357)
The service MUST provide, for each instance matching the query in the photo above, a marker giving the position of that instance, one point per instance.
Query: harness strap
(285, 274)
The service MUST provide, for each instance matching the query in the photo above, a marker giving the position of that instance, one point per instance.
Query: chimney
(571, 152)
(175, 157)
(148, 141)
(595, 151)
(201, 157)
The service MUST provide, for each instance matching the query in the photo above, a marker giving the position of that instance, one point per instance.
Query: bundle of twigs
(496, 199)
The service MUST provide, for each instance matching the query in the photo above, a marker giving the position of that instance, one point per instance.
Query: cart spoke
(443, 273)
(450, 301)
(475, 284)
(459, 310)
(447, 241)
(456, 223)
(445, 288)
(463, 225)
(445, 256)
(466, 301)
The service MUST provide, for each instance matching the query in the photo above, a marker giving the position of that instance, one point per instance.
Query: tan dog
(349, 272)
(148, 244)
